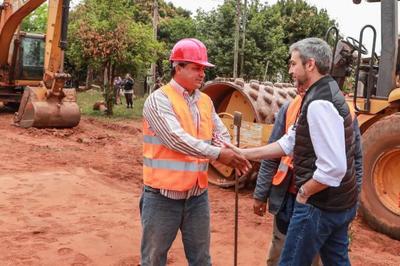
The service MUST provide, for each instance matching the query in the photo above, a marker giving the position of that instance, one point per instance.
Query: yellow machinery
(376, 99)
(31, 66)
(258, 102)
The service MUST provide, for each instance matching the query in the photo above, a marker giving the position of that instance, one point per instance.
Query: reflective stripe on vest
(166, 168)
(157, 140)
(175, 165)
(287, 161)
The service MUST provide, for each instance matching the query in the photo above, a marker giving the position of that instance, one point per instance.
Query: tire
(380, 196)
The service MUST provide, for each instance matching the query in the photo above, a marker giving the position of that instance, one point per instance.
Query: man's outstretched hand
(235, 160)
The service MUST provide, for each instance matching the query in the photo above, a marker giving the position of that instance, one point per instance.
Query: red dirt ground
(70, 197)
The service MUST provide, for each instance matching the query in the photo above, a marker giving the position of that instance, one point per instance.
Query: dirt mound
(71, 196)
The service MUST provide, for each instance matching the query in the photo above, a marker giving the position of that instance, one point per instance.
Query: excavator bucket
(41, 110)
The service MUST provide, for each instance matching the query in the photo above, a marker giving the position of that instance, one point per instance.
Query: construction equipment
(31, 66)
(376, 99)
(258, 102)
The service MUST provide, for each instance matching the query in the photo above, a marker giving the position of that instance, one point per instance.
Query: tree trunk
(108, 88)
(89, 77)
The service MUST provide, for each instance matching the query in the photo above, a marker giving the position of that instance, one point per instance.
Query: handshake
(234, 157)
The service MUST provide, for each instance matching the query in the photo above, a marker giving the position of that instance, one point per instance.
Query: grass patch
(87, 98)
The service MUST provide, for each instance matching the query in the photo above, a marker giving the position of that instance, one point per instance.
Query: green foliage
(87, 98)
(36, 22)
(173, 29)
(270, 30)
(118, 35)
(216, 30)
(103, 31)
(104, 36)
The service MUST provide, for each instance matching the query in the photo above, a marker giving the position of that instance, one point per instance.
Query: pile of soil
(71, 196)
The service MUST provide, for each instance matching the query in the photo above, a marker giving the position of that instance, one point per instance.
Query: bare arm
(269, 151)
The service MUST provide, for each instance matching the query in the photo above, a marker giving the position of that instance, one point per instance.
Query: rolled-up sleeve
(327, 136)
(287, 141)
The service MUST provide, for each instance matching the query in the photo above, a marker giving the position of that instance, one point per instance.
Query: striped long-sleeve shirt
(159, 113)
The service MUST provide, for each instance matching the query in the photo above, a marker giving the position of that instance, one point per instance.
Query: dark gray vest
(332, 198)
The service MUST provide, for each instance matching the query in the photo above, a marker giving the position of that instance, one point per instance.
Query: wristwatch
(302, 192)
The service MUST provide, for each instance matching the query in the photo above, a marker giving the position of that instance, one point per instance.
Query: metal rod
(244, 22)
(333, 28)
(237, 121)
(236, 44)
(370, 73)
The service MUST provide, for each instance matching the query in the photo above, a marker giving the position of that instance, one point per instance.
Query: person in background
(117, 90)
(128, 90)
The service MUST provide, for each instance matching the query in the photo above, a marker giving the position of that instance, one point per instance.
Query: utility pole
(244, 22)
(236, 47)
(155, 26)
(266, 71)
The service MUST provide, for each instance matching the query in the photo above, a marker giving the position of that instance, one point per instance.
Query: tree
(104, 34)
(270, 32)
(36, 22)
(216, 30)
(171, 30)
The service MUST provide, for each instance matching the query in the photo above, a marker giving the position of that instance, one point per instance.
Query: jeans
(280, 227)
(162, 218)
(312, 230)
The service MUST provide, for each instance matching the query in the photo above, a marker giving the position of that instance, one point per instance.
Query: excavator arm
(49, 104)
(11, 17)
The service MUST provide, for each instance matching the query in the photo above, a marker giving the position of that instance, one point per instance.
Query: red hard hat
(190, 50)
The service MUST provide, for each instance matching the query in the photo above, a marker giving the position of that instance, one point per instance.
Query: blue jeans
(163, 217)
(312, 230)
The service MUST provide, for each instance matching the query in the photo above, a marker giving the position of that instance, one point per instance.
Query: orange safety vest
(286, 162)
(165, 168)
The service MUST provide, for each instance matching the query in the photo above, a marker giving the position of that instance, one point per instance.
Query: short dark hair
(317, 49)
(182, 64)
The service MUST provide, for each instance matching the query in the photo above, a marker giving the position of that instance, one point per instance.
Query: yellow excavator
(31, 66)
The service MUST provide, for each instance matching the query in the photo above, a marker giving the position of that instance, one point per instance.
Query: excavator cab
(30, 59)
(31, 66)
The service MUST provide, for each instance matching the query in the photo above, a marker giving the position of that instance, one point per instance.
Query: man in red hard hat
(182, 132)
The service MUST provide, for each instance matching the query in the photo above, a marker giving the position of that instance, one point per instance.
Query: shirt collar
(182, 91)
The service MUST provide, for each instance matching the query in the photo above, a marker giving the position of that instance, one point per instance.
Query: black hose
(64, 25)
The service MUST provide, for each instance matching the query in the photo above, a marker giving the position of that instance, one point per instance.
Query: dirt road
(70, 197)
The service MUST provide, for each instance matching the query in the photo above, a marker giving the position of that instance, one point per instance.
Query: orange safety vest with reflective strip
(287, 161)
(291, 116)
(164, 168)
